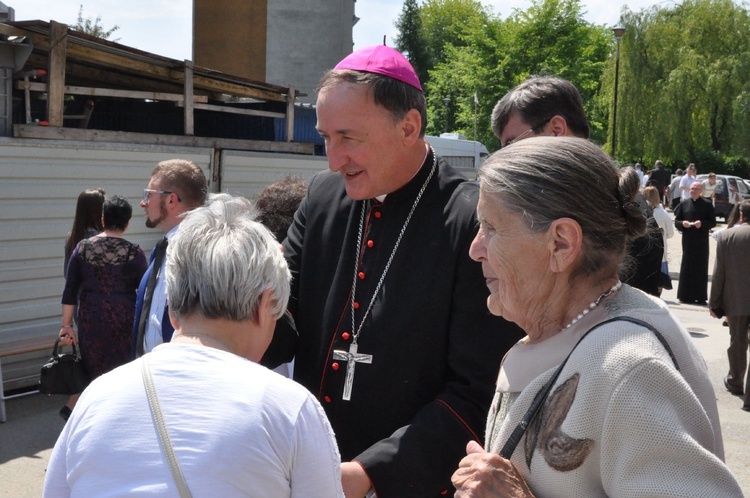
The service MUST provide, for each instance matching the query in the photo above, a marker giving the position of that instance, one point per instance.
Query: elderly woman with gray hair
(234, 427)
(606, 395)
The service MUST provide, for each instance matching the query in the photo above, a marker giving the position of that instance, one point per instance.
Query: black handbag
(63, 373)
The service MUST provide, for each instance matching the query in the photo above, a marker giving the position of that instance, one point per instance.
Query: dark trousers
(737, 352)
(675, 201)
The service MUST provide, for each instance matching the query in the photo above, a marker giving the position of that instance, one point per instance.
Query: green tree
(94, 27)
(451, 22)
(550, 37)
(456, 34)
(410, 39)
(684, 83)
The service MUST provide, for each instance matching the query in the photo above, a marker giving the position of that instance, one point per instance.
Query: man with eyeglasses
(176, 186)
(541, 105)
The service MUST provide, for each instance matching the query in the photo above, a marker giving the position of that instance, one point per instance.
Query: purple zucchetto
(380, 59)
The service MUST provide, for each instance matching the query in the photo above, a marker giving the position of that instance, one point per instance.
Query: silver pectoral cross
(352, 358)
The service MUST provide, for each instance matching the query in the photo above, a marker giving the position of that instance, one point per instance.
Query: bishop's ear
(411, 126)
(565, 239)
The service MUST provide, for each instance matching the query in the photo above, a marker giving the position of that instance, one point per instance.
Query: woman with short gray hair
(237, 429)
(606, 395)
(239, 264)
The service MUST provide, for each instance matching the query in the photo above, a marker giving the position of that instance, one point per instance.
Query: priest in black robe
(694, 219)
(395, 339)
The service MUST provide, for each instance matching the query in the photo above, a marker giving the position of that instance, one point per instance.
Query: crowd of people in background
(440, 336)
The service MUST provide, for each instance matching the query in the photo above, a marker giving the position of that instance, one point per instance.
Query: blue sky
(164, 26)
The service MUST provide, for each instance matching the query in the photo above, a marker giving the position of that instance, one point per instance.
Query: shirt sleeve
(316, 471)
(56, 477)
(73, 279)
(679, 217)
(669, 453)
(716, 299)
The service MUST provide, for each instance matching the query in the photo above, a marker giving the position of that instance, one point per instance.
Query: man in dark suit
(730, 291)
(176, 186)
(660, 179)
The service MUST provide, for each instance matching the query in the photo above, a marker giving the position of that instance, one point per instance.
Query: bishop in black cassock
(435, 348)
(693, 286)
(405, 399)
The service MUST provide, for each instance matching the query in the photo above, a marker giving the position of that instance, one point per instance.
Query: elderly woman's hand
(484, 475)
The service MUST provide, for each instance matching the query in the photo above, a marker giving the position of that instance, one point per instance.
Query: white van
(459, 152)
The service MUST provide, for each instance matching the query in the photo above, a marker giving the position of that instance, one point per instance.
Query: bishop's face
(364, 142)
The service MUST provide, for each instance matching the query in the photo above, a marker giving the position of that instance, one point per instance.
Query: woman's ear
(174, 322)
(565, 242)
(264, 315)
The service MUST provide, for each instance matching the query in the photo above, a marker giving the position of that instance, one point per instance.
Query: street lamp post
(618, 32)
(447, 102)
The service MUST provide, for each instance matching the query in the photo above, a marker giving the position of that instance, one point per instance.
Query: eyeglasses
(147, 192)
(533, 129)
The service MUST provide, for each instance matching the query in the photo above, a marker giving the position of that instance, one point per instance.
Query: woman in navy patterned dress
(103, 276)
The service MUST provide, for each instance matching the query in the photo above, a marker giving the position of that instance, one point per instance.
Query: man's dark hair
(278, 202)
(396, 96)
(116, 212)
(539, 99)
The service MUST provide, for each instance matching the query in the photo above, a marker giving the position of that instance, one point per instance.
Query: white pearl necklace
(594, 304)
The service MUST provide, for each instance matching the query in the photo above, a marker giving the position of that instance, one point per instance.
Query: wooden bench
(20, 347)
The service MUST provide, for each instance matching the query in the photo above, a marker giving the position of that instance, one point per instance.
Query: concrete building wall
(39, 184)
(305, 39)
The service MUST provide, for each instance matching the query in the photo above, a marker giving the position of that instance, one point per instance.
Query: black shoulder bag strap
(536, 403)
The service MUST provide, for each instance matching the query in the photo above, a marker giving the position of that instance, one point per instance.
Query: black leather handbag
(63, 373)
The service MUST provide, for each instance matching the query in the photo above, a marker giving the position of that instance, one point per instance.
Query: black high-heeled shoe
(65, 412)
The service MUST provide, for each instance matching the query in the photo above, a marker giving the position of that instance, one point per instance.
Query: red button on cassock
(356, 305)
(345, 336)
(378, 214)
(327, 399)
(361, 275)
(370, 243)
(335, 366)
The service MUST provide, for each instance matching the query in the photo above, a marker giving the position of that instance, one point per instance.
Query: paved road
(26, 440)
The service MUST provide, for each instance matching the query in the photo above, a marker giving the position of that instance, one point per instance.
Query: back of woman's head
(651, 194)
(116, 212)
(89, 209)
(547, 178)
(88, 217)
(221, 261)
